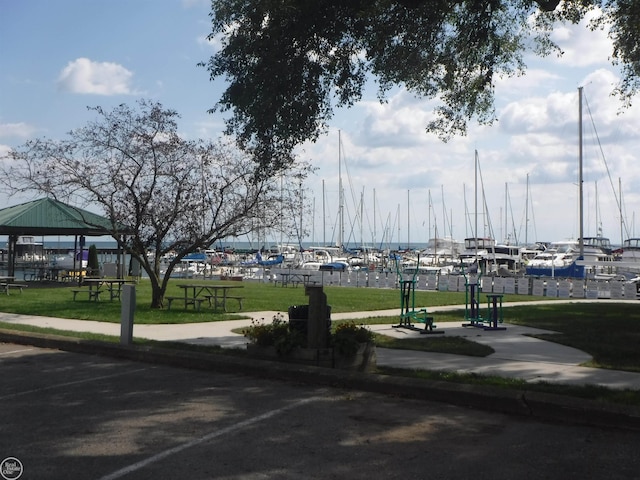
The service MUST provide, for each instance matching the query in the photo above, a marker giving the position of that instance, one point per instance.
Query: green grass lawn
(58, 302)
(609, 332)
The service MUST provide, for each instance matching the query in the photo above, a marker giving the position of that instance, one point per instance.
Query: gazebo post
(11, 270)
(81, 259)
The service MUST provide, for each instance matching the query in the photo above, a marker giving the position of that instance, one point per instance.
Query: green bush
(348, 336)
(277, 334)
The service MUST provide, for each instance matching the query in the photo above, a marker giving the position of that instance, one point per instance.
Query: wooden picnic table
(6, 284)
(295, 278)
(112, 285)
(215, 295)
(42, 273)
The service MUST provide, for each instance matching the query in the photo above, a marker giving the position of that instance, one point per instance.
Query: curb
(536, 405)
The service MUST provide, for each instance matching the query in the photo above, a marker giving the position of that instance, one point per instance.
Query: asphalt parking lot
(76, 416)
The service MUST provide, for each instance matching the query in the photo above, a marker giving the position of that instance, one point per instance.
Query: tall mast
(476, 205)
(374, 239)
(324, 217)
(361, 215)
(408, 221)
(340, 194)
(526, 215)
(581, 212)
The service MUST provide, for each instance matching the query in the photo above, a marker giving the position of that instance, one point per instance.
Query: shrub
(276, 333)
(348, 336)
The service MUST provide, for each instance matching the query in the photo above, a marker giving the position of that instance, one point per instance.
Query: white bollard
(128, 307)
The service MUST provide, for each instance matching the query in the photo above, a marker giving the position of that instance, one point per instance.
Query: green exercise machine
(408, 313)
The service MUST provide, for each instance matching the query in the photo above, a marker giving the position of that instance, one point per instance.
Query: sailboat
(575, 268)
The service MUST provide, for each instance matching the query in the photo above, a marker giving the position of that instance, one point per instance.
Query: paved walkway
(516, 354)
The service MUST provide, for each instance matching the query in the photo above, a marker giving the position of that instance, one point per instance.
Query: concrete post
(128, 307)
(317, 329)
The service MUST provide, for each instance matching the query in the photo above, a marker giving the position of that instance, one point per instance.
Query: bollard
(128, 307)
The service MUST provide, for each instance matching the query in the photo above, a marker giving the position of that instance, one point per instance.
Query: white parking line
(218, 433)
(22, 350)
(76, 382)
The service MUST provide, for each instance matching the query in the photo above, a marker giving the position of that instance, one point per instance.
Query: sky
(402, 186)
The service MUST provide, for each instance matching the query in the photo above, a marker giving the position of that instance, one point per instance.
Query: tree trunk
(157, 297)
(158, 290)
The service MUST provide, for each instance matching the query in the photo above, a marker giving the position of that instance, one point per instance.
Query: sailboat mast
(429, 218)
(340, 194)
(526, 215)
(580, 180)
(476, 205)
(361, 216)
(375, 236)
(324, 216)
(620, 210)
(408, 221)
(505, 234)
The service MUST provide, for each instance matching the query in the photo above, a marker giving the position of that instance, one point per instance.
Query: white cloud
(99, 78)
(581, 46)
(4, 150)
(536, 137)
(215, 43)
(19, 130)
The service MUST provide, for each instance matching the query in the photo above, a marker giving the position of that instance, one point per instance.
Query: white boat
(631, 250)
(477, 249)
(322, 255)
(289, 253)
(558, 255)
(506, 257)
(529, 252)
(564, 255)
(441, 252)
(68, 262)
(597, 249)
(28, 249)
(630, 256)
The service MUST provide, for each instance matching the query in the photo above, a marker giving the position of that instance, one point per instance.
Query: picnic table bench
(6, 287)
(213, 300)
(93, 287)
(94, 294)
(196, 302)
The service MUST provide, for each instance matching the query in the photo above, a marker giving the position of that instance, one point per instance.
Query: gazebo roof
(47, 216)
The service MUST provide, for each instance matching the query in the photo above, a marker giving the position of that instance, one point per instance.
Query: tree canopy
(176, 195)
(289, 63)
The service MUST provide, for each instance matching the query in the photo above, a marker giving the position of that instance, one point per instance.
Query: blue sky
(58, 57)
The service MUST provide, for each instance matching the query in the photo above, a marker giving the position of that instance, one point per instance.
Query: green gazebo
(47, 216)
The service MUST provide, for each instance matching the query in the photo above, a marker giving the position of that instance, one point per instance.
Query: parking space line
(22, 350)
(76, 382)
(210, 436)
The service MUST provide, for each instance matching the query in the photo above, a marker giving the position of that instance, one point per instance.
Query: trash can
(299, 320)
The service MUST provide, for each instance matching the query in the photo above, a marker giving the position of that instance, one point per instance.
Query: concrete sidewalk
(516, 354)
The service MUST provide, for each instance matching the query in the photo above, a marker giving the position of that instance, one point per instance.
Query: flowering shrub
(348, 336)
(276, 333)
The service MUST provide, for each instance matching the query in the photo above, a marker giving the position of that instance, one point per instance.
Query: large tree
(175, 195)
(288, 63)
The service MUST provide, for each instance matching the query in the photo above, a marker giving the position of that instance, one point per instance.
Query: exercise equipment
(472, 314)
(408, 313)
